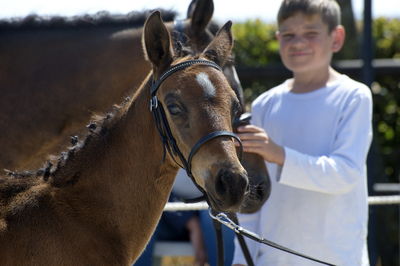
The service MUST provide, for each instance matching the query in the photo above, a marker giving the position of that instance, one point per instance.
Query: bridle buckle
(153, 103)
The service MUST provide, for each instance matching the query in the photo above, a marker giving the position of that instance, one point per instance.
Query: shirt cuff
(286, 172)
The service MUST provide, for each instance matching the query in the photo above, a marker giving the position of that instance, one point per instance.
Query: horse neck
(122, 178)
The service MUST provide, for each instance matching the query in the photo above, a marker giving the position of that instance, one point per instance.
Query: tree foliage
(386, 33)
(255, 43)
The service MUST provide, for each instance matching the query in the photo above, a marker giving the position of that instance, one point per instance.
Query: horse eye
(174, 109)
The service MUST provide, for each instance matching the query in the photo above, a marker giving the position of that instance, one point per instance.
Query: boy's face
(305, 43)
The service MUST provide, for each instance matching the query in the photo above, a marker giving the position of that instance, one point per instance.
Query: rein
(225, 220)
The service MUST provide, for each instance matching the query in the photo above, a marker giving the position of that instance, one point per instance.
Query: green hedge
(386, 33)
(255, 43)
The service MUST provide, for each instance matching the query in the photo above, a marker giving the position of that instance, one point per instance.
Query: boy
(314, 132)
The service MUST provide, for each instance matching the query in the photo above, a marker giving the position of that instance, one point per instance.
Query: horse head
(199, 109)
(200, 30)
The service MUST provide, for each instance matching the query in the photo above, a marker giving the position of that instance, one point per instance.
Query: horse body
(101, 202)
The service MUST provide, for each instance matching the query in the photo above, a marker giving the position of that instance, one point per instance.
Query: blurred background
(371, 54)
(236, 11)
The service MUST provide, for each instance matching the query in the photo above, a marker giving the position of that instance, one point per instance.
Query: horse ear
(200, 12)
(157, 42)
(220, 49)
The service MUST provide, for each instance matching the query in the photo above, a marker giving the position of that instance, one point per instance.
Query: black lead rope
(242, 242)
(225, 220)
(220, 241)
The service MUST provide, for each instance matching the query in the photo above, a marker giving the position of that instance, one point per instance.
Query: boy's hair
(329, 10)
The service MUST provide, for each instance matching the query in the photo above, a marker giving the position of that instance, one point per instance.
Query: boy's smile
(306, 46)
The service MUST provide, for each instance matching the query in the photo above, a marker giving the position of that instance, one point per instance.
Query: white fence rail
(384, 200)
(180, 206)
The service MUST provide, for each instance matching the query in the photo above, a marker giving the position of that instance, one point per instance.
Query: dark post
(367, 50)
(367, 78)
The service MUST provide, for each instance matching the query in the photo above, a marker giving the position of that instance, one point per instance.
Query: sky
(223, 9)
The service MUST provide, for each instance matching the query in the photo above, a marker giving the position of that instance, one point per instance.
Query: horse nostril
(260, 193)
(228, 182)
(222, 183)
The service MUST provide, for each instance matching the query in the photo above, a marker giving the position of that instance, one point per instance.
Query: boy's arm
(332, 173)
(340, 170)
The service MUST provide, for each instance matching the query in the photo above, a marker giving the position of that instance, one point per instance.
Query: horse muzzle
(228, 190)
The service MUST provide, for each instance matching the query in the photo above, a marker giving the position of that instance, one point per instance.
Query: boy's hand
(256, 140)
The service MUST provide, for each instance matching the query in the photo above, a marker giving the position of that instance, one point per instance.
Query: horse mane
(101, 18)
(98, 127)
(21, 190)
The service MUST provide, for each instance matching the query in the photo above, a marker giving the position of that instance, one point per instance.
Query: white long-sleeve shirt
(319, 201)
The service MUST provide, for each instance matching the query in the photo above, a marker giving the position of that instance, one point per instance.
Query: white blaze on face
(205, 82)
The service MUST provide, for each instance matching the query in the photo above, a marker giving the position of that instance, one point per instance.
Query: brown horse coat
(101, 202)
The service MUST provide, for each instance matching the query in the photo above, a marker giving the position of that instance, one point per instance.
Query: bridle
(167, 138)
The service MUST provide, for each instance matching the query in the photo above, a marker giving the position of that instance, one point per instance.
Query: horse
(56, 71)
(102, 200)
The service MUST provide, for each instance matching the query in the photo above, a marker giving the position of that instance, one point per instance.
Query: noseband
(164, 129)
